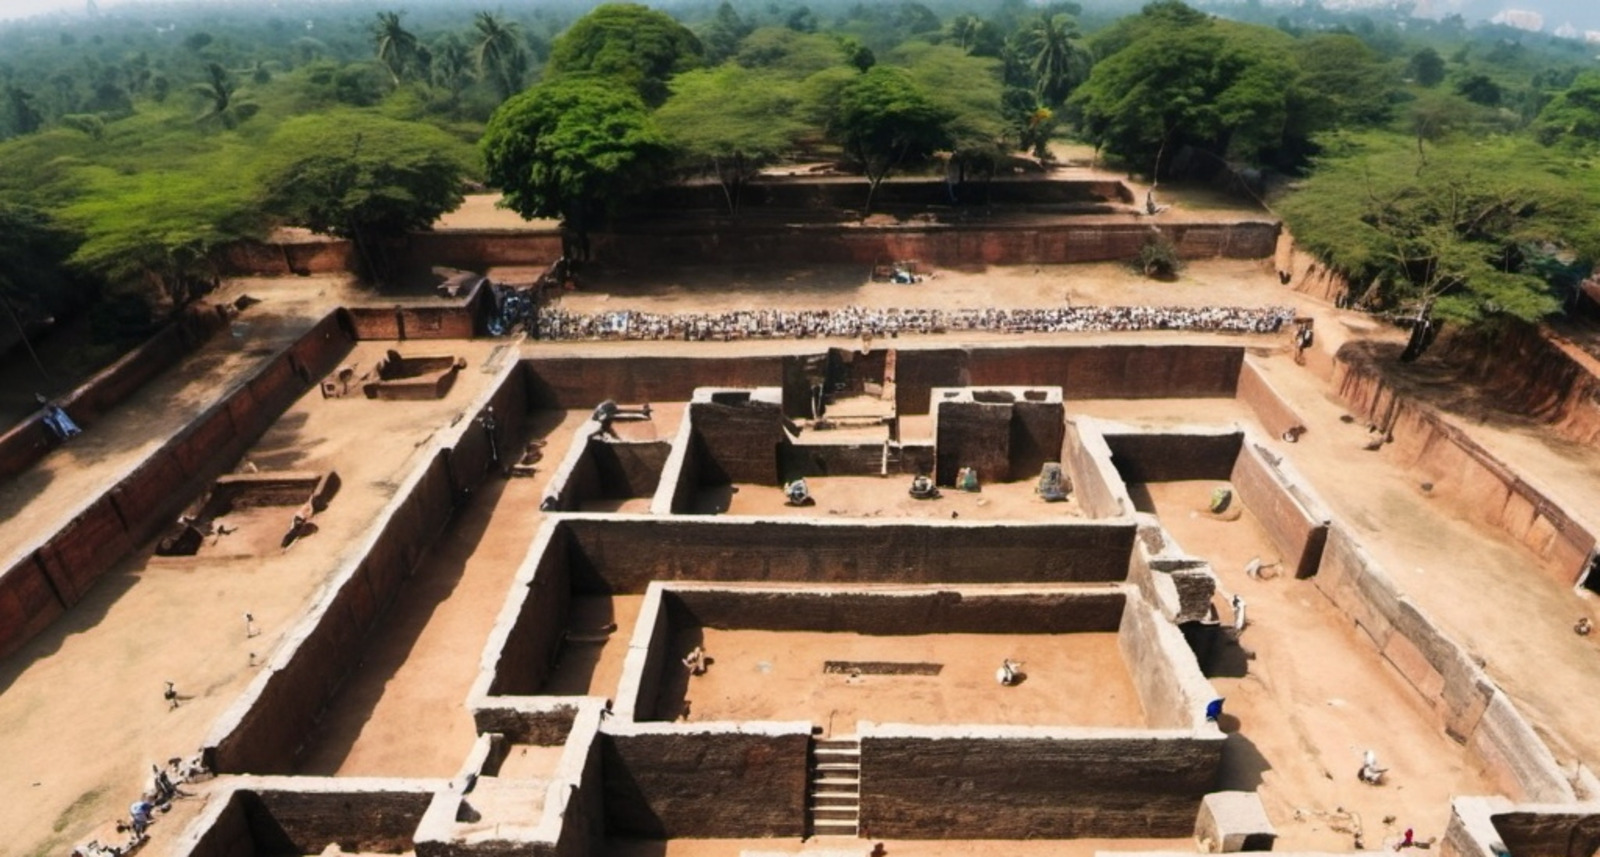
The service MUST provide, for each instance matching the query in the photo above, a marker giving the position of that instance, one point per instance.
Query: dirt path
(1307, 694)
(403, 712)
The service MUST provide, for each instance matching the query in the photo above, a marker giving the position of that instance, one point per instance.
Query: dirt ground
(705, 288)
(403, 712)
(82, 702)
(1307, 694)
(594, 668)
(1071, 680)
(837, 847)
(886, 497)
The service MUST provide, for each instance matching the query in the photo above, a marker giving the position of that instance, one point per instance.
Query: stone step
(835, 799)
(836, 779)
(839, 750)
(838, 766)
(850, 814)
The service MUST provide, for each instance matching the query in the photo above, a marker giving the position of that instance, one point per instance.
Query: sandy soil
(1072, 680)
(481, 211)
(1483, 588)
(82, 702)
(705, 288)
(1307, 694)
(594, 669)
(886, 497)
(837, 847)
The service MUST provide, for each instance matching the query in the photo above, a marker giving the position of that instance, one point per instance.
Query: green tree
(1460, 237)
(1480, 89)
(34, 281)
(366, 178)
(724, 33)
(223, 104)
(1056, 58)
(1426, 67)
(635, 44)
(494, 52)
(731, 121)
(968, 90)
(1222, 88)
(885, 120)
(396, 47)
(572, 148)
(1344, 82)
(1574, 115)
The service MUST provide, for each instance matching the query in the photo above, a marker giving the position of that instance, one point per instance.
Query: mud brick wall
(28, 603)
(898, 613)
(738, 443)
(1274, 414)
(864, 459)
(261, 259)
(226, 832)
(481, 249)
(786, 194)
(1470, 477)
(25, 443)
(302, 822)
(1172, 690)
(629, 470)
(973, 434)
(622, 554)
(918, 371)
(471, 456)
(1470, 707)
(1025, 783)
(142, 503)
(569, 383)
(1548, 830)
(1095, 482)
(1037, 431)
(938, 244)
(415, 321)
(1114, 371)
(1298, 532)
(663, 781)
(1174, 456)
(543, 722)
(532, 637)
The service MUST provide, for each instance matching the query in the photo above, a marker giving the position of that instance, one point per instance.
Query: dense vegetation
(1444, 168)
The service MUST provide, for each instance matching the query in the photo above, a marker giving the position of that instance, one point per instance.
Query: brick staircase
(834, 798)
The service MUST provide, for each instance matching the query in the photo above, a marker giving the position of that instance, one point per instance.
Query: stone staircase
(834, 797)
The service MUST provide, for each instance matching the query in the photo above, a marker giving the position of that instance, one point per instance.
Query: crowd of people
(556, 323)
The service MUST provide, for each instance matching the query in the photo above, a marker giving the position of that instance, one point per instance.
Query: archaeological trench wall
(271, 816)
(1471, 708)
(1083, 372)
(263, 732)
(624, 553)
(959, 782)
(25, 443)
(1089, 239)
(57, 573)
(1481, 485)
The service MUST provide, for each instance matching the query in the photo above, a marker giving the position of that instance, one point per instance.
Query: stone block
(1233, 821)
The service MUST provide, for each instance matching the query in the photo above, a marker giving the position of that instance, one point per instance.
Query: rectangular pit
(287, 817)
(1090, 656)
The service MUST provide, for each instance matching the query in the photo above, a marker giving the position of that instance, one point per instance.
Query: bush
(1158, 259)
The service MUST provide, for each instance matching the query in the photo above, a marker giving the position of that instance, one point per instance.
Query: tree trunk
(17, 323)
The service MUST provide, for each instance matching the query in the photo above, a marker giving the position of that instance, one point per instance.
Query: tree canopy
(883, 120)
(1462, 236)
(572, 148)
(362, 177)
(731, 121)
(631, 43)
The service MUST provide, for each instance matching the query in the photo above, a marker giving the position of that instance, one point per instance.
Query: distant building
(1519, 18)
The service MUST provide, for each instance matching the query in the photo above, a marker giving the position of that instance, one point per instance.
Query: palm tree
(495, 48)
(1053, 49)
(223, 104)
(452, 66)
(395, 45)
(964, 29)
